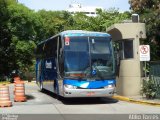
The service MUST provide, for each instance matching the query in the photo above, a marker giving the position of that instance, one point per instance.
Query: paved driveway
(47, 103)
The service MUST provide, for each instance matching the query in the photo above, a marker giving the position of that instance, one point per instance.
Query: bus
(76, 63)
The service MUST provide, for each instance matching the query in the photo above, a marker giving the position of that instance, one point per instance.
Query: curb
(30, 83)
(136, 101)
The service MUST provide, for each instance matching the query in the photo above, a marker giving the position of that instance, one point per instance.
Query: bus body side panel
(49, 74)
(47, 69)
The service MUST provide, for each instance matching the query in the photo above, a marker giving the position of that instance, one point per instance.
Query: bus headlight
(70, 86)
(110, 86)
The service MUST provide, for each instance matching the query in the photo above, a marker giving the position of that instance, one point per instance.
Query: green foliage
(149, 11)
(149, 89)
(21, 29)
(99, 23)
(25, 23)
(5, 39)
(54, 22)
(4, 82)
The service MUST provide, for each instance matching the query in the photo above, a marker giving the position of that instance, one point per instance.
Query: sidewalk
(138, 99)
(133, 99)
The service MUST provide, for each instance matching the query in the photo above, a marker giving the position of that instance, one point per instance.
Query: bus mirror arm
(117, 62)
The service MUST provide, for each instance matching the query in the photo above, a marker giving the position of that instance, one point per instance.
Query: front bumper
(105, 92)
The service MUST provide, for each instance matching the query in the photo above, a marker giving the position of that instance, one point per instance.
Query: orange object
(4, 96)
(18, 86)
(19, 92)
(77, 75)
(17, 78)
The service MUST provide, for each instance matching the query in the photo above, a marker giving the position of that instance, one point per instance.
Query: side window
(39, 51)
(47, 49)
(53, 46)
(128, 49)
(125, 49)
(50, 48)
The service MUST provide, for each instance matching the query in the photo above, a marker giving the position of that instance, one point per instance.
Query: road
(47, 103)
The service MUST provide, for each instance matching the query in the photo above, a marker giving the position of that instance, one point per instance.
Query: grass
(4, 82)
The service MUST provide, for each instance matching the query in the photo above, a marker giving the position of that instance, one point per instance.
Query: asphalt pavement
(46, 103)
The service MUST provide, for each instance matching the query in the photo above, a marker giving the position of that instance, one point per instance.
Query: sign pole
(144, 56)
(145, 69)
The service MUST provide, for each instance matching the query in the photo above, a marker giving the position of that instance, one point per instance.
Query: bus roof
(74, 33)
(70, 33)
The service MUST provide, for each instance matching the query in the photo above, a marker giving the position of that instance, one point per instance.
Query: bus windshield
(88, 58)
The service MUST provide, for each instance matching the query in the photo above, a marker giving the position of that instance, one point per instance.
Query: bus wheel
(41, 87)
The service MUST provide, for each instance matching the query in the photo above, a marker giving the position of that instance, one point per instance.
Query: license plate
(90, 93)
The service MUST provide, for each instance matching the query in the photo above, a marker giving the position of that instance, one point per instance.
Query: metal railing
(154, 74)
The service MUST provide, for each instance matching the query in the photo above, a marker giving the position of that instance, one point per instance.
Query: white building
(88, 10)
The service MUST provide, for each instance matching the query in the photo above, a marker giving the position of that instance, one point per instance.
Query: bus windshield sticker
(67, 41)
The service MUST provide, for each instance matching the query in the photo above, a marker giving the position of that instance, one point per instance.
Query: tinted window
(50, 48)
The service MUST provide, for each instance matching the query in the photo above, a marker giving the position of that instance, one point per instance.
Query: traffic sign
(144, 51)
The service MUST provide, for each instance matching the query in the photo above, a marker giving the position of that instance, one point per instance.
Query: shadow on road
(30, 97)
(79, 101)
(53, 95)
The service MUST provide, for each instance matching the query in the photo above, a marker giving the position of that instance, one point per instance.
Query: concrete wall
(129, 76)
(129, 79)
(127, 30)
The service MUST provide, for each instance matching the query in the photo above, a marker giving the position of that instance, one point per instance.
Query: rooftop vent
(135, 18)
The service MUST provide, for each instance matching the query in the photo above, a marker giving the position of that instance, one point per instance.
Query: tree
(149, 11)
(5, 39)
(100, 22)
(21, 29)
(55, 22)
(27, 29)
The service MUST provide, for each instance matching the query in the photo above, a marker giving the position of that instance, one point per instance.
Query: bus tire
(41, 87)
